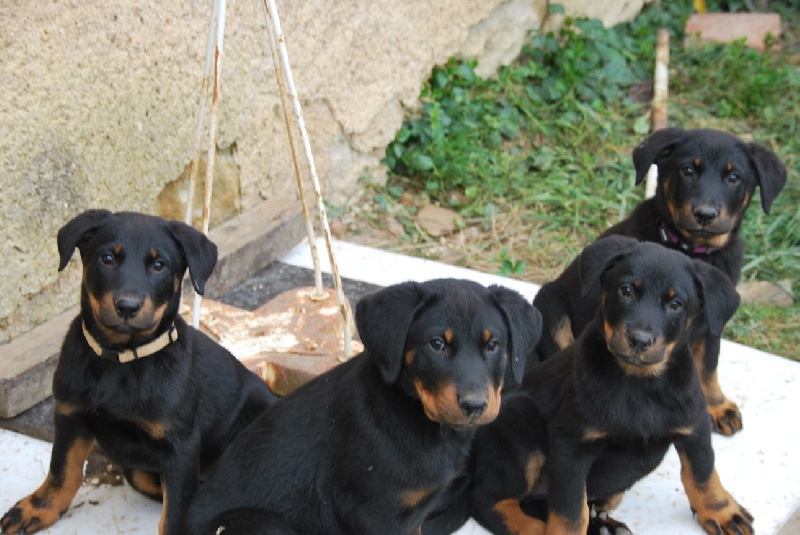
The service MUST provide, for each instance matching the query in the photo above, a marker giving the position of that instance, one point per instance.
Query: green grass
(538, 158)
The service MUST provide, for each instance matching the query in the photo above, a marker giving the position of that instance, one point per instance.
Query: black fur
(164, 418)
(602, 413)
(706, 180)
(372, 445)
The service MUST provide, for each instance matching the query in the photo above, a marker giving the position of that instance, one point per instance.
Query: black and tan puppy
(598, 416)
(372, 445)
(160, 398)
(706, 180)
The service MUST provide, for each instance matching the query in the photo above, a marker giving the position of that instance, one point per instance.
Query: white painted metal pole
(347, 328)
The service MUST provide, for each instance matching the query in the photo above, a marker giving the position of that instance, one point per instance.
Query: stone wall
(101, 98)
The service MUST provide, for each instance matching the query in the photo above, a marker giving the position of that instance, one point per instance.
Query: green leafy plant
(539, 156)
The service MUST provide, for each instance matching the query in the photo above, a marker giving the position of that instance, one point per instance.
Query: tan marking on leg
(610, 503)
(155, 429)
(533, 469)
(724, 412)
(714, 506)
(561, 525)
(412, 498)
(46, 505)
(145, 482)
(604, 520)
(592, 434)
(562, 333)
(65, 409)
(683, 431)
(515, 520)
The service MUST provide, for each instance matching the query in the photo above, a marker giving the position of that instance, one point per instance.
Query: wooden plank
(27, 364)
(251, 241)
(247, 244)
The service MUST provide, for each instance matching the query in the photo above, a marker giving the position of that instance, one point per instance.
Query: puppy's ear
(596, 258)
(199, 252)
(720, 299)
(656, 144)
(771, 173)
(383, 319)
(77, 231)
(524, 325)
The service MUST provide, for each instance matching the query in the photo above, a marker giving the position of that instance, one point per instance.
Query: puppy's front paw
(726, 419)
(28, 516)
(602, 524)
(730, 519)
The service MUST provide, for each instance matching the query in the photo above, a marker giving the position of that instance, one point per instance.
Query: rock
(438, 221)
(727, 27)
(765, 293)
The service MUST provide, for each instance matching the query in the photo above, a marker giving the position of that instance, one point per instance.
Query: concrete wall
(100, 107)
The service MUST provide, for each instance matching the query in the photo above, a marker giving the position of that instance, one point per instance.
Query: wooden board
(247, 244)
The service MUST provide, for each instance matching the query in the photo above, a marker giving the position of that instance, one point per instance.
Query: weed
(538, 157)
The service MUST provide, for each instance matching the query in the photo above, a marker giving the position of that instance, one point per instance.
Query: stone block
(728, 27)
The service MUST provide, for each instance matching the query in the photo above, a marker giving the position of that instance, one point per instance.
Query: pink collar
(667, 236)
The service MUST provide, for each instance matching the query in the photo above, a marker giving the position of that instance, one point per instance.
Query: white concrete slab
(760, 466)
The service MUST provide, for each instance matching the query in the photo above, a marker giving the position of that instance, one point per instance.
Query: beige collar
(128, 355)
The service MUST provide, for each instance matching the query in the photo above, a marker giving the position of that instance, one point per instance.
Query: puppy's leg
(148, 483)
(496, 495)
(180, 479)
(556, 323)
(600, 523)
(725, 415)
(72, 445)
(567, 468)
(716, 510)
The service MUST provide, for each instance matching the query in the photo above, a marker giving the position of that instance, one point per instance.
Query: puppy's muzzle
(127, 307)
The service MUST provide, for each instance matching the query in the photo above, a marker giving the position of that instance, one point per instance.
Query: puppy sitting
(160, 398)
(706, 180)
(598, 416)
(372, 445)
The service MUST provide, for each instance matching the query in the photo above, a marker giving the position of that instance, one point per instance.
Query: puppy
(373, 445)
(161, 399)
(706, 180)
(598, 416)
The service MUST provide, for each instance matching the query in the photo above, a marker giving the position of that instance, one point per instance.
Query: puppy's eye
(733, 179)
(676, 305)
(626, 291)
(687, 171)
(438, 345)
(492, 345)
(159, 265)
(107, 259)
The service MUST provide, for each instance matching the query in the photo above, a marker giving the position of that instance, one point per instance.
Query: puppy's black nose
(472, 406)
(705, 215)
(127, 307)
(640, 340)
